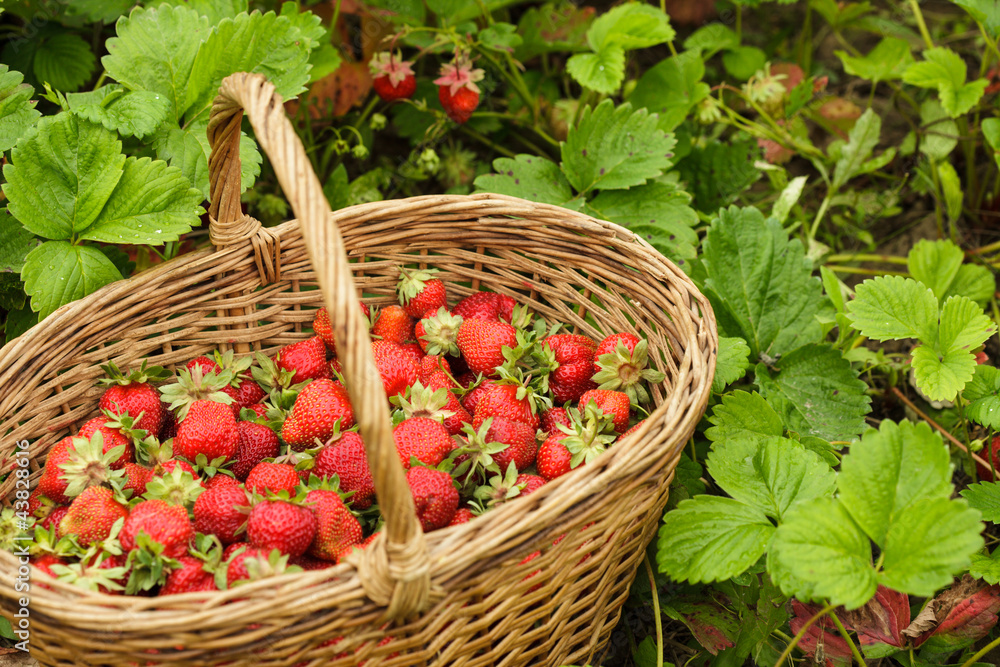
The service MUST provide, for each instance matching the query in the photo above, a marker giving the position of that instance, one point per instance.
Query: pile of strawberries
(241, 468)
(394, 79)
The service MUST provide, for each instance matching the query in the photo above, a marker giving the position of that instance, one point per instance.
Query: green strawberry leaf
(817, 392)
(100, 10)
(553, 27)
(632, 25)
(659, 212)
(615, 148)
(991, 132)
(15, 243)
(943, 369)
(712, 38)
(929, 543)
(17, 109)
(935, 264)
(854, 155)
(501, 37)
(984, 497)
(709, 538)
(155, 51)
(771, 475)
(131, 114)
(945, 71)
(986, 12)
(672, 88)
(760, 283)
(266, 43)
(64, 61)
(743, 62)
(743, 415)
(983, 395)
(820, 554)
(986, 567)
(887, 61)
(602, 72)
(890, 469)
(529, 177)
(153, 203)
(731, 364)
(61, 175)
(188, 150)
(893, 308)
(58, 272)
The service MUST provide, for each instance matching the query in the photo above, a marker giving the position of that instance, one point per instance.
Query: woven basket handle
(393, 571)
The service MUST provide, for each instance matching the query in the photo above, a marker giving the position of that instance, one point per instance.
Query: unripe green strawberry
(276, 524)
(317, 410)
(337, 528)
(91, 515)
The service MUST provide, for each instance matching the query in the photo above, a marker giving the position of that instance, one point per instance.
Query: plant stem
(983, 651)
(820, 213)
(920, 24)
(488, 142)
(847, 638)
(867, 272)
(862, 257)
(656, 611)
(515, 81)
(802, 633)
(336, 16)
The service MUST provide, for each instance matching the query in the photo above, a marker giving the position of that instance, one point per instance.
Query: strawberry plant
(827, 173)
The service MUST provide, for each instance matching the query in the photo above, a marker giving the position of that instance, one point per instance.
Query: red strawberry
(337, 527)
(552, 417)
(396, 366)
(253, 563)
(44, 562)
(307, 562)
(394, 325)
(463, 515)
(437, 403)
(470, 401)
(485, 306)
(434, 365)
(77, 463)
(112, 438)
(245, 393)
(317, 410)
(435, 496)
(570, 360)
(306, 359)
(414, 350)
(393, 78)
(323, 328)
(620, 365)
(255, 443)
(346, 459)
(634, 428)
(259, 409)
(276, 524)
(992, 456)
(482, 343)
(168, 467)
(189, 578)
(502, 401)
(272, 477)
(530, 482)
(420, 292)
(206, 364)
(91, 515)
(216, 513)
(136, 478)
(132, 394)
(458, 91)
(437, 332)
(220, 480)
(423, 438)
(520, 440)
(209, 429)
(163, 523)
(553, 458)
(614, 403)
(51, 485)
(54, 518)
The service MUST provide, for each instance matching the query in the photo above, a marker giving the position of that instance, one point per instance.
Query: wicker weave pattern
(486, 606)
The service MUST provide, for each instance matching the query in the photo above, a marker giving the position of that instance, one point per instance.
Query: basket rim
(604, 469)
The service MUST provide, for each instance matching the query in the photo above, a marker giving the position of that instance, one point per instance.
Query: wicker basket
(458, 596)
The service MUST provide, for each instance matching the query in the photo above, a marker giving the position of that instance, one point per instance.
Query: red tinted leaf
(969, 620)
(703, 624)
(793, 74)
(821, 641)
(882, 620)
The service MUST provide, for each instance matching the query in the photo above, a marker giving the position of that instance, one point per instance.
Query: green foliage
(743, 415)
(760, 283)
(983, 395)
(944, 70)
(672, 88)
(17, 109)
(129, 113)
(854, 157)
(886, 62)
(731, 363)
